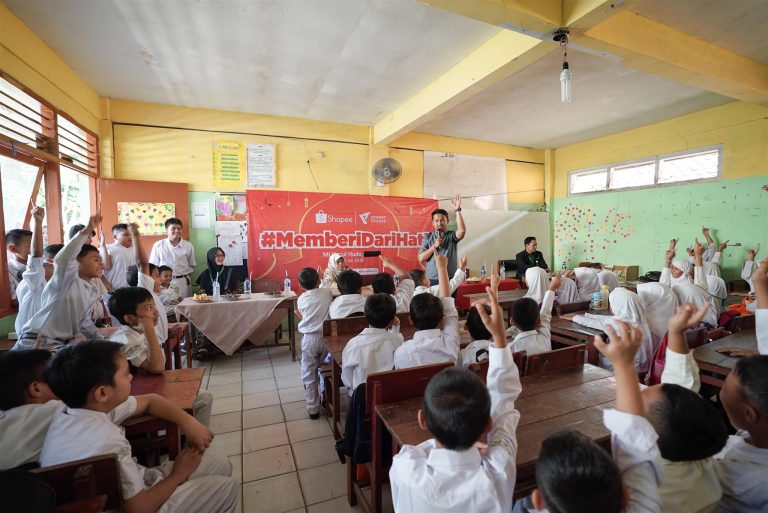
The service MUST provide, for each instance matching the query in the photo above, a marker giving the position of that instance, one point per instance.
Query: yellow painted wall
(25, 57)
(742, 129)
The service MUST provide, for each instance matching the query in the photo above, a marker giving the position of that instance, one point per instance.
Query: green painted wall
(202, 239)
(6, 325)
(634, 227)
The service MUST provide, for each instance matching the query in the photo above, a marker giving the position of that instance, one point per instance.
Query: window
(699, 164)
(75, 197)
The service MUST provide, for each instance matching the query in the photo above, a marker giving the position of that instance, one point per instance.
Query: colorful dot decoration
(583, 232)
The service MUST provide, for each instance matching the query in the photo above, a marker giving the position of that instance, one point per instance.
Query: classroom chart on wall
(227, 164)
(481, 180)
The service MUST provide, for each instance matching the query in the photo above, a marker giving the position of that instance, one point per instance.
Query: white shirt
(538, 340)
(403, 295)
(743, 472)
(161, 328)
(459, 277)
(746, 273)
(170, 297)
(77, 433)
(180, 258)
(66, 300)
(121, 259)
(14, 267)
(135, 344)
(24, 429)
(345, 305)
(428, 478)
(435, 345)
(469, 354)
(30, 292)
(373, 350)
(761, 328)
(313, 307)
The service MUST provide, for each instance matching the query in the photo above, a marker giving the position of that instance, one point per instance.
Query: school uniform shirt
(696, 295)
(180, 258)
(743, 472)
(761, 328)
(14, 269)
(660, 303)
(538, 340)
(428, 478)
(403, 295)
(459, 277)
(608, 278)
(161, 328)
(66, 301)
(24, 429)
(538, 283)
(30, 292)
(432, 346)
(135, 344)
(373, 350)
(313, 306)
(475, 352)
(346, 305)
(666, 277)
(170, 297)
(121, 259)
(587, 283)
(746, 273)
(567, 292)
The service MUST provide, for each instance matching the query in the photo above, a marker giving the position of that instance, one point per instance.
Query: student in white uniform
(94, 381)
(176, 253)
(350, 301)
(660, 303)
(608, 278)
(675, 271)
(538, 284)
(373, 350)
(574, 474)
(118, 256)
(450, 472)
(30, 291)
(688, 293)
(312, 308)
(749, 267)
(760, 280)
(383, 283)
(533, 322)
(169, 293)
(66, 297)
(27, 406)
(419, 277)
(587, 282)
(568, 292)
(17, 243)
(431, 344)
(477, 350)
(135, 308)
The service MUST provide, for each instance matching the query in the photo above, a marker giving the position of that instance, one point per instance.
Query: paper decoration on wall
(201, 215)
(231, 207)
(232, 237)
(150, 217)
(581, 233)
(260, 165)
(227, 164)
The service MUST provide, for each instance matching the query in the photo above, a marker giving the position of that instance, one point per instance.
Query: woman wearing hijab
(660, 304)
(587, 282)
(567, 292)
(626, 306)
(336, 264)
(229, 276)
(538, 283)
(608, 278)
(695, 295)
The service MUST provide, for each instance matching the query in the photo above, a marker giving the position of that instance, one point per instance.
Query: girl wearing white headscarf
(587, 282)
(718, 293)
(626, 306)
(608, 278)
(567, 292)
(660, 304)
(676, 272)
(695, 295)
(336, 264)
(538, 283)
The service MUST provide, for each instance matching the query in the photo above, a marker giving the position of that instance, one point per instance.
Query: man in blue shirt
(442, 240)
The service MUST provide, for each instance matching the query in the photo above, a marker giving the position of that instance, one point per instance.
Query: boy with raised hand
(437, 320)
(384, 283)
(30, 291)
(460, 469)
(94, 381)
(419, 277)
(533, 322)
(17, 244)
(575, 475)
(67, 306)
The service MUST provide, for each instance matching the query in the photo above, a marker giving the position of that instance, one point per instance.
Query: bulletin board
(482, 180)
(232, 227)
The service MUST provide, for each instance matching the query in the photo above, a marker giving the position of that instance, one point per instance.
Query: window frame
(656, 159)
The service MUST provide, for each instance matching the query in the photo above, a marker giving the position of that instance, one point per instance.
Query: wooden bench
(85, 480)
(555, 360)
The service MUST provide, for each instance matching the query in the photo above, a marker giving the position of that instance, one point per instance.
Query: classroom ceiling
(355, 61)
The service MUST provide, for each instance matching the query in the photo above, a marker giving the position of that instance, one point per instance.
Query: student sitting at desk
(94, 381)
(659, 303)
(538, 284)
(533, 323)
(419, 277)
(17, 243)
(477, 350)
(350, 301)
(384, 283)
(462, 468)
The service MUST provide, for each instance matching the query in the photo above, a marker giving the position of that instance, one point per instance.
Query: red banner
(288, 231)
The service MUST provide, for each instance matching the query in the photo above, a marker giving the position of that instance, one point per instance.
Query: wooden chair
(570, 307)
(85, 480)
(554, 360)
(265, 285)
(481, 369)
(741, 323)
(347, 326)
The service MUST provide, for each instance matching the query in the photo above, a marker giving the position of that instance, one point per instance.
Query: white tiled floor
(285, 461)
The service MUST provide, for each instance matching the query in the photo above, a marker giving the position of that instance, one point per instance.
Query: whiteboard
(482, 181)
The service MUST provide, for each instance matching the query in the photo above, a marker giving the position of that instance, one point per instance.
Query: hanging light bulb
(561, 36)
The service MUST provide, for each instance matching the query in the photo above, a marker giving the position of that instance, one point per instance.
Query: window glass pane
(75, 198)
(634, 175)
(589, 182)
(18, 180)
(689, 167)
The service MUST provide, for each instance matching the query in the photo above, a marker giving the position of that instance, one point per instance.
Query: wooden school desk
(572, 398)
(468, 291)
(714, 367)
(179, 386)
(568, 333)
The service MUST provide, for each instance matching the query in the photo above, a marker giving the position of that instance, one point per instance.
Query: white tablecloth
(230, 323)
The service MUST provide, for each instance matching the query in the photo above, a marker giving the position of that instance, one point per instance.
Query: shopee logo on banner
(288, 231)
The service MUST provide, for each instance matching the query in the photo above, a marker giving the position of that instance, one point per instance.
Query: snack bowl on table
(231, 297)
(202, 298)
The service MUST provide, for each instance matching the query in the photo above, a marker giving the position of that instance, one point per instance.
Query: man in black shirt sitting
(529, 257)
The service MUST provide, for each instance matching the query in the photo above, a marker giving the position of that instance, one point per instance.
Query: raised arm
(442, 275)
(461, 229)
(624, 344)
(705, 233)
(106, 260)
(388, 263)
(64, 261)
(681, 369)
(138, 252)
(37, 232)
(699, 277)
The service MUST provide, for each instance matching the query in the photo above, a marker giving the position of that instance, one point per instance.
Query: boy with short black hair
(27, 406)
(118, 256)
(431, 344)
(477, 350)
(17, 244)
(351, 301)
(94, 381)
(374, 348)
(312, 307)
(384, 283)
(450, 472)
(419, 277)
(29, 292)
(135, 308)
(533, 323)
(169, 293)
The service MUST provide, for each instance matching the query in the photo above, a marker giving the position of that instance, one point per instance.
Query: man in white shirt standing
(119, 256)
(176, 253)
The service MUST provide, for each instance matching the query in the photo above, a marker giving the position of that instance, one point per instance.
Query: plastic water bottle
(286, 285)
(216, 291)
(483, 271)
(397, 280)
(564, 267)
(247, 288)
(502, 271)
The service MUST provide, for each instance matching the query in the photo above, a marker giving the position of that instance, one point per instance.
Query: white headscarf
(660, 304)
(608, 278)
(331, 271)
(693, 294)
(711, 269)
(588, 283)
(567, 292)
(718, 293)
(538, 283)
(626, 306)
(685, 266)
